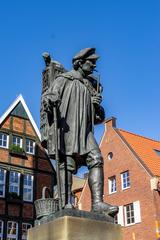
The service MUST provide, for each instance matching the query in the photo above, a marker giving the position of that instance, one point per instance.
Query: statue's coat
(75, 121)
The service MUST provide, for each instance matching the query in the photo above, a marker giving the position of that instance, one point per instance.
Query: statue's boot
(96, 183)
(66, 185)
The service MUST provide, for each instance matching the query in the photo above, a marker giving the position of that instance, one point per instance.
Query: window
(14, 180)
(125, 180)
(129, 214)
(4, 140)
(1, 230)
(110, 156)
(25, 227)
(112, 184)
(17, 141)
(30, 146)
(2, 182)
(12, 230)
(28, 188)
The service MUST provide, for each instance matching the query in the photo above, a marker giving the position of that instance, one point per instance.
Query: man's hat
(86, 53)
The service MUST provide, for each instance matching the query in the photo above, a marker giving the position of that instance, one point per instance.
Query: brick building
(132, 174)
(77, 187)
(24, 170)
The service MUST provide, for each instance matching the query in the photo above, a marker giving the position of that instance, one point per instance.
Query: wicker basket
(45, 206)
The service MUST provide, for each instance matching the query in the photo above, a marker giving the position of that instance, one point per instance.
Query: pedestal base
(75, 228)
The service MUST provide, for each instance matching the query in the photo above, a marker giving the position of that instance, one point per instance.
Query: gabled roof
(148, 150)
(17, 101)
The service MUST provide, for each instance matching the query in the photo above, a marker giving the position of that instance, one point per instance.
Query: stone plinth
(75, 228)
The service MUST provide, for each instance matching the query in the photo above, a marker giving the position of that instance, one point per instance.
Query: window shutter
(120, 216)
(137, 212)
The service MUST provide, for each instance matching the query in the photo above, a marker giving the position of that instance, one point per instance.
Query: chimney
(110, 122)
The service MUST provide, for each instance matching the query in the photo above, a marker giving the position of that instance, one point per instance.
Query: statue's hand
(96, 99)
(49, 101)
(56, 101)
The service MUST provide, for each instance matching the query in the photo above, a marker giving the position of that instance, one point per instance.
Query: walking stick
(57, 156)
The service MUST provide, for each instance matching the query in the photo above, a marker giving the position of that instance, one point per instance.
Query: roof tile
(145, 149)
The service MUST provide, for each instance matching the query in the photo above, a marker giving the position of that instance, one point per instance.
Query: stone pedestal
(75, 228)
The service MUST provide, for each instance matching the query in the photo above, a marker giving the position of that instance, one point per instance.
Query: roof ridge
(138, 135)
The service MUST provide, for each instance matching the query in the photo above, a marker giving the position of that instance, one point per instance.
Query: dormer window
(157, 152)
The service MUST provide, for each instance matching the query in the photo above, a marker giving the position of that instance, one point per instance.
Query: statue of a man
(79, 108)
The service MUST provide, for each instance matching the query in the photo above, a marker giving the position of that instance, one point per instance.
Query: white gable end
(13, 105)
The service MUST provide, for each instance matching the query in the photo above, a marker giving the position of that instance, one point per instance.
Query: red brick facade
(18, 210)
(144, 221)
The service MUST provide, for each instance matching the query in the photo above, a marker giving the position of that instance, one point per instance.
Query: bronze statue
(53, 68)
(77, 96)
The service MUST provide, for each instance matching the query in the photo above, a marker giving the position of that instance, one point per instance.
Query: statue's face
(88, 66)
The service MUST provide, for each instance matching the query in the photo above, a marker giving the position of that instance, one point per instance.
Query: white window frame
(14, 184)
(16, 143)
(29, 146)
(3, 183)
(112, 186)
(24, 236)
(7, 141)
(137, 213)
(28, 187)
(1, 233)
(10, 235)
(126, 179)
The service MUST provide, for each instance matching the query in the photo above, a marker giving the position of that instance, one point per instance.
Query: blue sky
(126, 35)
